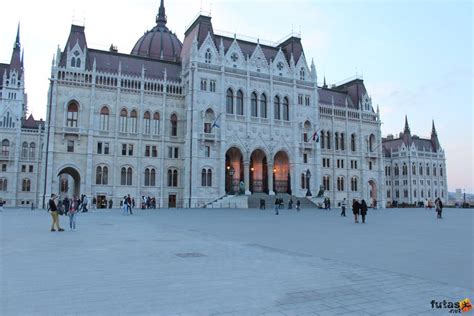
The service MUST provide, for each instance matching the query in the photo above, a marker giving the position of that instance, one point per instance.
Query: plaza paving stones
(235, 262)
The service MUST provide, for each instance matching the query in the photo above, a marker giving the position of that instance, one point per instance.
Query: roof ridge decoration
(280, 63)
(161, 18)
(234, 49)
(208, 42)
(258, 58)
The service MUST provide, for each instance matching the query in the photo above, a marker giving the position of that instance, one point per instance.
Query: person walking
(72, 213)
(439, 207)
(130, 205)
(277, 206)
(1, 204)
(53, 210)
(298, 205)
(363, 210)
(290, 204)
(343, 207)
(124, 205)
(355, 210)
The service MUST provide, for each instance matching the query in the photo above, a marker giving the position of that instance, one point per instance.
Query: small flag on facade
(316, 136)
(216, 122)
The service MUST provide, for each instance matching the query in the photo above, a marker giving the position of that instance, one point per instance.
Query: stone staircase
(254, 201)
(230, 201)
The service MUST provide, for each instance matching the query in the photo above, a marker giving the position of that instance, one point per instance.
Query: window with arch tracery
(104, 119)
(276, 108)
(123, 120)
(72, 114)
(150, 177)
(326, 183)
(126, 176)
(328, 138)
(156, 123)
(371, 142)
(3, 184)
(172, 178)
(323, 139)
(133, 121)
(286, 109)
(336, 140)
(24, 150)
(146, 123)
(32, 154)
(240, 103)
(353, 142)
(340, 184)
(230, 101)
(26, 185)
(354, 184)
(208, 56)
(102, 175)
(174, 125)
(206, 177)
(254, 106)
(263, 106)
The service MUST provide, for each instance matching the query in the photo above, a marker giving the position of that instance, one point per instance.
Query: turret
(407, 133)
(434, 138)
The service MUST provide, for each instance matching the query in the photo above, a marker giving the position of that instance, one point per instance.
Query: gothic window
(263, 106)
(397, 170)
(208, 121)
(254, 110)
(240, 103)
(3, 184)
(123, 120)
(343, 145)
(340, 183)
(434, 170)
(328, 144)
(326, 183)
(104, 119)
(371, 142)
(146, 123)
(413, 169)
(5, 148)
(129, 176)
(405, 169)
(336, 141)
(208, 56)
(172, 178)
(421, 169)
(174, 125)
(156, 123)
(230, 101)
(302, 74)
(72, 114)
(78, 63)
(150, 177)
(26, 185)
(126, 176)
(303, 181)
(73, 62)
(24, 150)
(133, 121)
(206, 178)
(427, 170)
(354, 184)
(353, 142)
(276, 108)
(286, 109)
(209, 178)
(441, 171)
(102, 175)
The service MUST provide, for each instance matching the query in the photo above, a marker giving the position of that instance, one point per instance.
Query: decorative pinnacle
(161, 17)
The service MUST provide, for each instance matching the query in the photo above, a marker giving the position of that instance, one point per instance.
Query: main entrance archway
(281, 173)
(234, 170)
(69, 182)
(372, 193)
(258, 172)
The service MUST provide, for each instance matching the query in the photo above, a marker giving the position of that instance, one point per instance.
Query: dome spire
(161, 17)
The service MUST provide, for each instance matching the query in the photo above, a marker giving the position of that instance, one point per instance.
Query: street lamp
(308, 177)
(231, 173)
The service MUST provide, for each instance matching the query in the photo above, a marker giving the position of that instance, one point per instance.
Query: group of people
(280, 204)
(81, 204)
(327, 204)
(359, 208)
(148, 202)
(127, 204)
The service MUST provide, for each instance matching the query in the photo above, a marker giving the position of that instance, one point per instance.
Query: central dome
(160, 42)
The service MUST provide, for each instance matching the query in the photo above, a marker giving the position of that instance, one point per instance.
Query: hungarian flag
(316, 136)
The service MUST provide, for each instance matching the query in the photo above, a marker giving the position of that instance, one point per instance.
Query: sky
(415, 56)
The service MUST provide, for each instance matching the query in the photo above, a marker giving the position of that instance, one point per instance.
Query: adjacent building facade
(190, 122)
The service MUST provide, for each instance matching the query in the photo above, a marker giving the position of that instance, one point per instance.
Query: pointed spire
(15, 62)
(161, 17)
(433, 130)
(407, 127)
(17, 41)
(324, 84)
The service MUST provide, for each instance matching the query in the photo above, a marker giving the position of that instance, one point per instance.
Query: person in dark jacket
(355, 210)
(53, 210)
(363, 210)
(277, 206)
(439, 207)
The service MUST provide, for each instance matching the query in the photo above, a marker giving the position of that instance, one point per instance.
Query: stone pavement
(235, 262)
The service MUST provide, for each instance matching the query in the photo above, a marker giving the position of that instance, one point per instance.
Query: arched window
(302, 74)
(230, 102)
(150, 177)
(353, 142)
(105, 175)
(354, 184)
(129, 176)
(156, 123)
(336, 140)
(440, 171)
(371, 142)
(286, 109)
(323, 139)
(172, 178)
(5, 148)
(174, 125)
(133, 121)
(102, 175)
(343, 142)
(73, 62)
(303, 181)
(72, 114)
(254, 110)
(405, 169)
(421, 169)
(123, 176)
(123, 120)
(208, 56)
(146, 123)
(104, 119)
(78, 63)
(26, 185)
(413, 170)
(328, 138)
(340, 184)
(397, 170)
(209, 178)
(276, 108)
(208, 121)
(204, 178)
(427, 170)
(434, 170)
(240, 103)
(147, 177)
(326, 183)
(263, 106)
(3, 184)
(24, 150)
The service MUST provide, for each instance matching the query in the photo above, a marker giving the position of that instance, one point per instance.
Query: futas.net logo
(463, 306)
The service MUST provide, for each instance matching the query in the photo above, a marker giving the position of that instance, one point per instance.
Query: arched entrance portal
(281, 173)
(258, 172)
(69, 182)
(234, 170)
(372, 193)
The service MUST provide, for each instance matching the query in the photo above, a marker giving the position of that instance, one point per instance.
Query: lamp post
(231, 173)
(308, 177)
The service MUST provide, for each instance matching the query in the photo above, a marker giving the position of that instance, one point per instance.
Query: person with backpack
(53, 210)
(439, 207)
(356, 210)
(363, 210)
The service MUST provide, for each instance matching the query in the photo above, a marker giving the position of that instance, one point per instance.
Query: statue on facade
(321, 191)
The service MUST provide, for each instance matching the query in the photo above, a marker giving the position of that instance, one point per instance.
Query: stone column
(270, 179)
(247, 177)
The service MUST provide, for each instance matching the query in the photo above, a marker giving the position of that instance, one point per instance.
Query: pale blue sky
(415, 56)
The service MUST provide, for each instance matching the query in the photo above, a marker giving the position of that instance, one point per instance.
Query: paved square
(235, 262)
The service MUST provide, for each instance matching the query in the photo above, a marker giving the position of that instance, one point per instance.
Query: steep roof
(31, 123)
(327, 96)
